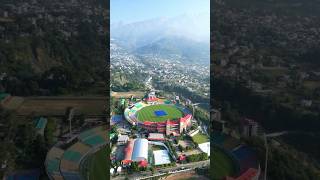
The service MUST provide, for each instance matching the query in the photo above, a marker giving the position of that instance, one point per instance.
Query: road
(171, 170)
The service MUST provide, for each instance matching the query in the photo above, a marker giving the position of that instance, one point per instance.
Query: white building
(122, 139)
(140, 150)
(161, 157)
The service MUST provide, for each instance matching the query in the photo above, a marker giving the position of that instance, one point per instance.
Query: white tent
(140, 150)
(205, 147)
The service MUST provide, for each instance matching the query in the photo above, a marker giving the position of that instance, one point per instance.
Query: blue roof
(28, 175)
(116, 118)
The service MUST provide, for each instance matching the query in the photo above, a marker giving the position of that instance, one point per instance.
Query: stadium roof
(161, 157)
(138, 105)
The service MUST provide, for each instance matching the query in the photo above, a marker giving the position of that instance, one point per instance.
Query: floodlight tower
(71, 113)
(194, 105)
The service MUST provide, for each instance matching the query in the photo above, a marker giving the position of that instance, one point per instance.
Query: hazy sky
(129, 11)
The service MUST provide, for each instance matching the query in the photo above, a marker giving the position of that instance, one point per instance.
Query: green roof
(138, 105)
(122, 101)
(112, 135)
(72, 156)
(3, 95)
(41, 123)
(95, 140)
(53, 165)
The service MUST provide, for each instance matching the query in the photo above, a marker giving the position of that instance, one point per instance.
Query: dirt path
(137, 94)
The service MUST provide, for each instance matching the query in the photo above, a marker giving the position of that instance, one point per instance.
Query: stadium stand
(225, 141)
(72, 176)
(65, 164)
(246, 157)
(218, 138)
(138, 105)
(86, 134)
(230, 143)
(72, 157)
(53, 162)
(94, 140)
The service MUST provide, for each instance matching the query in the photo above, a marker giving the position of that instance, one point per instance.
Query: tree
(38, 151)
(134, 166)
(152, 169)
(181, 148)
(49, 131)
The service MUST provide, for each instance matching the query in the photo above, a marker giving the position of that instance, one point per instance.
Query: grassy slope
(147, 113)
(222, 164)
(98, 166)
(200, 138)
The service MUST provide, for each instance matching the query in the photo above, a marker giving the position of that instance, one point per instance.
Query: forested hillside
(54, 51)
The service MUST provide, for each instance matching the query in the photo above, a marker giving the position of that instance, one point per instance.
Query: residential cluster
(193, 77)
(23, 19)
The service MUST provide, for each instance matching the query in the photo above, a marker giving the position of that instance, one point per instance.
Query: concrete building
(122, 139)
(249, 128)
(156, 137)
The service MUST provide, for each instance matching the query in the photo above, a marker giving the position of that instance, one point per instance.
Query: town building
(122, 139)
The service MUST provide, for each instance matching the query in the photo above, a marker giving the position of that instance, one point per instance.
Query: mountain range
(186, 37)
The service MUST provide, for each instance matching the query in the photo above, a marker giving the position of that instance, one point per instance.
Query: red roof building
(143, 164)
(250, 174)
